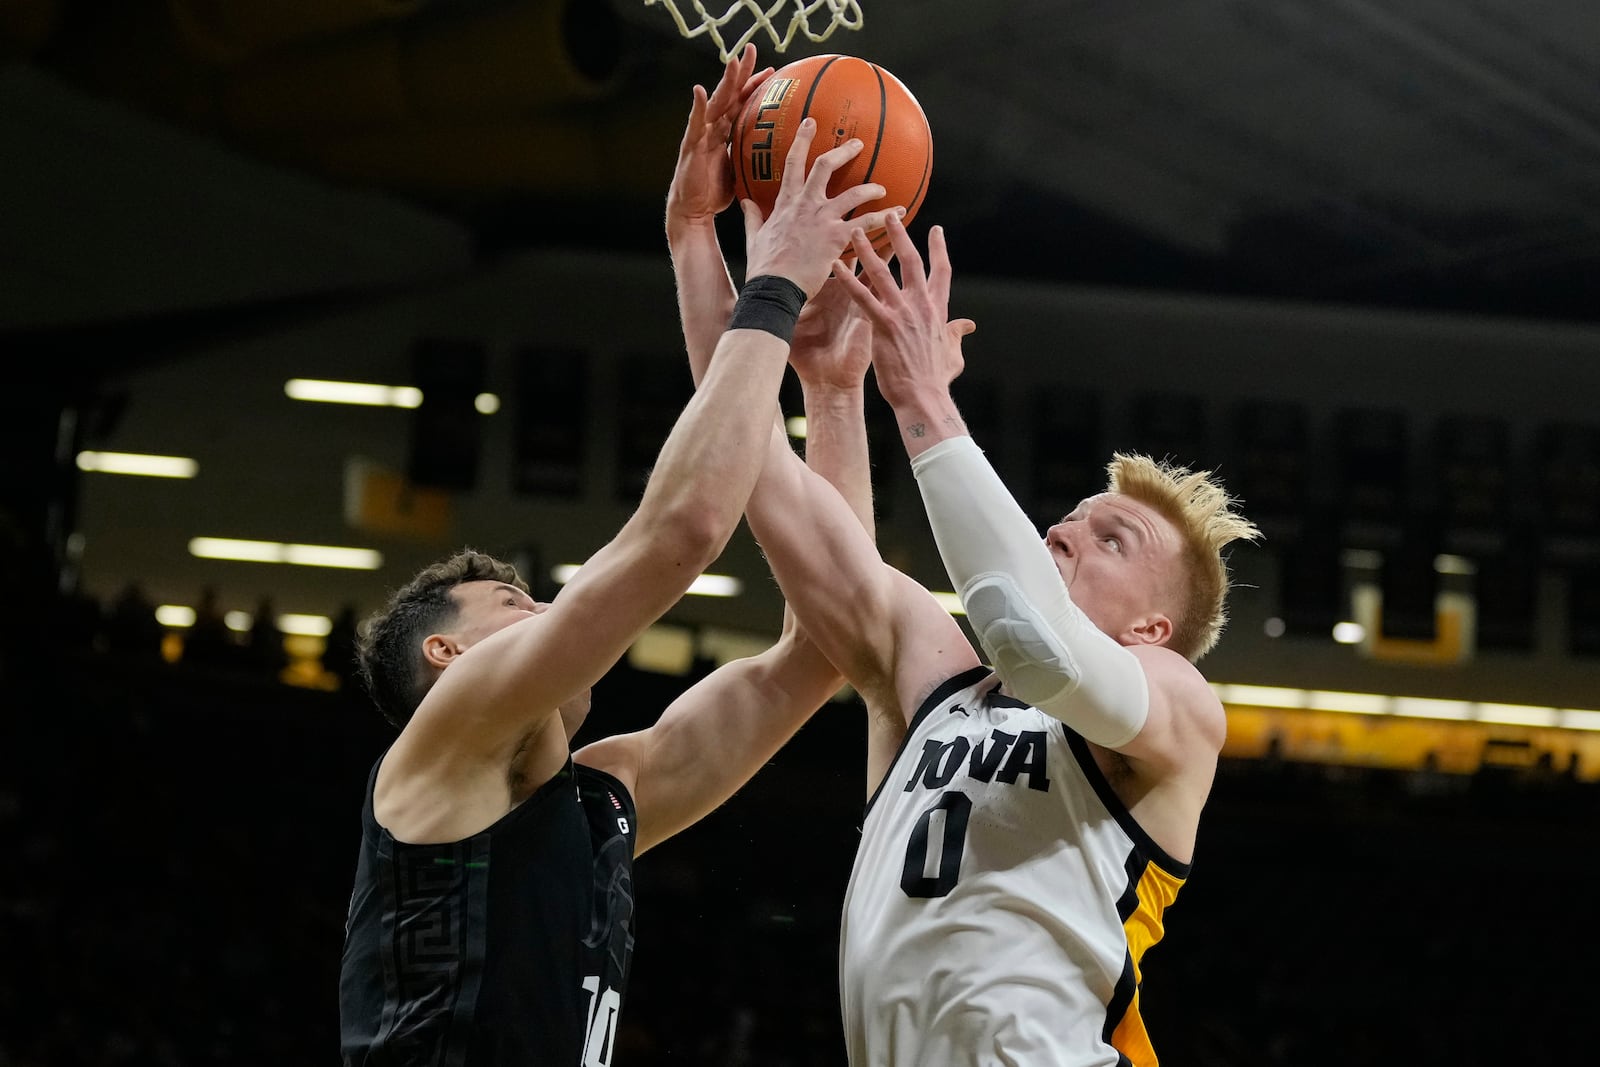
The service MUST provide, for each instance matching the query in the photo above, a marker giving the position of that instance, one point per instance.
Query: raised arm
(701, 189)
(710, 461)
(832, 346)
(714, 737)
(831, 354)
(692, 502)
(1037, 639)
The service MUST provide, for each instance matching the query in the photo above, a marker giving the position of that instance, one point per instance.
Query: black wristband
(768, 303)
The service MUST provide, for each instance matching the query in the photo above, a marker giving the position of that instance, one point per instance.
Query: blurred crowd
(179, 848)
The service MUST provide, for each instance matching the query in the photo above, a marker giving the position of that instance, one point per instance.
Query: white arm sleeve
(1043, 646)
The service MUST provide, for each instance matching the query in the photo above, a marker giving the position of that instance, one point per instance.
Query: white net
(755, 17)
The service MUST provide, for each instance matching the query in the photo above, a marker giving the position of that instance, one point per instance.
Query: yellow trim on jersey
(1156, 889)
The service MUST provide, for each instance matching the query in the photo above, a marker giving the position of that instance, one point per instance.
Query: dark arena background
(1343, 253)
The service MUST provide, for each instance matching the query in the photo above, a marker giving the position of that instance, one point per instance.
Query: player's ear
(1152, 629)
(440, 650)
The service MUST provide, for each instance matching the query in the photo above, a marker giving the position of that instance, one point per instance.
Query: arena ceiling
(188, 167)
(184, 177)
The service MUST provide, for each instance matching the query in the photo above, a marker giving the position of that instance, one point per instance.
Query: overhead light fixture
(719, 585)
(175, 616)
(1432, 708)
(298, 625)
(135, 463)
(1381, 704)
(1349, 633)
(365, 393)
(1580, 719)
(355, 559)
(1349, 703)
(1264, 696)
(182, 616)
(950, 602)
(1518, 715)
(288, 624)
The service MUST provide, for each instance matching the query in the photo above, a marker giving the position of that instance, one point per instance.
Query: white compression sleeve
(1038, 640)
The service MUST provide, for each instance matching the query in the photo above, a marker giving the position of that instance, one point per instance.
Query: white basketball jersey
(1001, 898)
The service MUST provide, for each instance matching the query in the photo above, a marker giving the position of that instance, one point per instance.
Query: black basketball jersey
(507, 949)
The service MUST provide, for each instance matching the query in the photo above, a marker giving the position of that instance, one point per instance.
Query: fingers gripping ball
(849, 97)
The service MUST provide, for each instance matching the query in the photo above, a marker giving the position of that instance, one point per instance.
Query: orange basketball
(849, 97)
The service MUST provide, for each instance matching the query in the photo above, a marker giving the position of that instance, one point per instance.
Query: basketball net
(846, 13)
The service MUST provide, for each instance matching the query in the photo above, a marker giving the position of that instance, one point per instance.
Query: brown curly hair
(389, 649)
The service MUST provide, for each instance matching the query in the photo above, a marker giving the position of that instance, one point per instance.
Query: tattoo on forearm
(917, 429)
(954, 422)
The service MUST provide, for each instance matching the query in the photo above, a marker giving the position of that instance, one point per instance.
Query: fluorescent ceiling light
(326, 392)
(716, 585)
(1576, 719)
(139, 464)
(1349, 703)
(181, 617)
(1402, 707)
(356, 559)
(1517, 715)
(305, 625)
(950, 602)
(721, 585)
(177, 616)
(1264, 696)
(1428, 708)
(1349, 633)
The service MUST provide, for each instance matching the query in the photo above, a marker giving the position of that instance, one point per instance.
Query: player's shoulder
(1188, 701)
(1174, 673)
(614, 759)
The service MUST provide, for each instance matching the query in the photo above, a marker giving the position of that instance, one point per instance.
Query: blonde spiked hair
(1203, 513)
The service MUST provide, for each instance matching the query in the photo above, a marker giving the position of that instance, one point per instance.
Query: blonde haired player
(1029, 821)
(1033, 819)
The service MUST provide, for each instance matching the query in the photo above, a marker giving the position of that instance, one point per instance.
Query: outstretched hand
(916, 347)
(802, 238)
(832, 343)
(702, 183)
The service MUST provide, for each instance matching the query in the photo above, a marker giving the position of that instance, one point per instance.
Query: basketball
(849, 97)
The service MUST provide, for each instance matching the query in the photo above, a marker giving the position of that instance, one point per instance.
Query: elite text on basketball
(761, 151)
